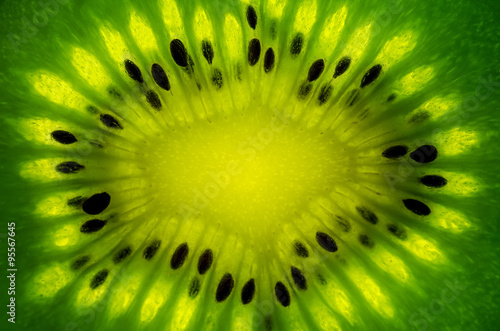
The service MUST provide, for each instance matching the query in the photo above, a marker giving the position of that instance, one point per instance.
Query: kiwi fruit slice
(251, 165)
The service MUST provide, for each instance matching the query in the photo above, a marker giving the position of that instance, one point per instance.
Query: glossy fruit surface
(251, 165)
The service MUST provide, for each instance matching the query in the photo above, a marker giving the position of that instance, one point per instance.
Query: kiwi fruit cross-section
(251, 165)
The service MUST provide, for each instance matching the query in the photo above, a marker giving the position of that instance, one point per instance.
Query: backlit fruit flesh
(250, 165)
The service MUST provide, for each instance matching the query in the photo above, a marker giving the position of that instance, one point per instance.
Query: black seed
(92, 110)
(424, 154)
(304, 90)
(346, 226)
(391, 97)
(179, 53)
(97, 203)
(248, 291)
(115, 94)
(417, 207)
(179, 256)
(296, 45)
(368, 215)
(282, 294)
(300, 249)
(133, 71)
(419, 117)
(122, 255)
(205, 261)
(325, 93)
(366, 241)
(269, 60)
(99, 278)
(207, 50)
(76, 202)
(224, 288)
(299, 279)
(433, 181)
(92, 226)
(316, 70)
(153, 100)
(160, 76)
(251, 17)
(239, 70)
(268, 323)
(397, 231)
(63, 137)
(342, 66)
(253, 51)
(326, 242)
(217, 79)
(194, 288)
(371, 75)
(110, 121)
(395, 152)
(80, 262)
(150, 251)
(69, 167)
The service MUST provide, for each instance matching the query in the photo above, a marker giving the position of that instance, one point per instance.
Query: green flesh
(284, 182)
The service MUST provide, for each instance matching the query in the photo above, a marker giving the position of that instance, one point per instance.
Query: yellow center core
(247, 173)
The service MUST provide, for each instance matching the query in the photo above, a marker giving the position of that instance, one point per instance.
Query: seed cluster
(95, 205)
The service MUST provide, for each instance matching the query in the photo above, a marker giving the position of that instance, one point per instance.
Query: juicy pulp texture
(270, 165)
